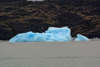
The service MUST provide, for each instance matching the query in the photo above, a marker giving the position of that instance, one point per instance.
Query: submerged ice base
(53, 34)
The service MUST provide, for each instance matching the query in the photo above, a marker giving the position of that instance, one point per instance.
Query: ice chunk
(81, 38)
(53, 34)
(50, 37)
(64, 32)
(37, 37)
(96, 38)
(23, 37)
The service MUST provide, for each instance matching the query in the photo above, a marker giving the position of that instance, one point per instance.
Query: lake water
(60, 54)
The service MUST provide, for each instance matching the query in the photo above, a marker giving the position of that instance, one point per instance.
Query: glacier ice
(64, 32)
(53, 34)
(81, 38)
(37, 37)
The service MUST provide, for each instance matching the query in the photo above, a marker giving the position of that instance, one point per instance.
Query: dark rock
(82, 17)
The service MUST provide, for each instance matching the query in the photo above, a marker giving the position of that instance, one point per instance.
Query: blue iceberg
(64, 32)
(81, 38)
(53, 34)
(37, 37)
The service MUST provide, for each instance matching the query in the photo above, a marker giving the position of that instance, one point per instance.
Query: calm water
(74, 54)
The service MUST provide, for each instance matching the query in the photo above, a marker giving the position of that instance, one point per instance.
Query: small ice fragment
(81, 38)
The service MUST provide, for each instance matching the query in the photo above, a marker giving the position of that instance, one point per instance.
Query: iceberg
(53, 34)
(48, 37)
(23, 37)
(64, 32)
(37, 37)
(81, 38)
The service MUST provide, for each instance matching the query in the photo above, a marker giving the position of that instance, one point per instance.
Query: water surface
(60, 54)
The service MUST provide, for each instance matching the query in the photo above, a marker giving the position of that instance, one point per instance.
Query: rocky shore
(81, 17)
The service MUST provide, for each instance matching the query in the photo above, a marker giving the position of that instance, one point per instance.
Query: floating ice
(53, 34)
(64, 32)
(37, 37)
(23, 37)
(81, 38)
(96, 38)
(48, 37)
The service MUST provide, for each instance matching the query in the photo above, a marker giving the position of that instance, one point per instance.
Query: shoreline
(48, 42)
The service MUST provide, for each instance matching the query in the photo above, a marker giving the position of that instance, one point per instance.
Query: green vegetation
(21, 16)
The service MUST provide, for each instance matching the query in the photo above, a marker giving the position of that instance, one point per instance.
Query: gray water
(60, 54)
